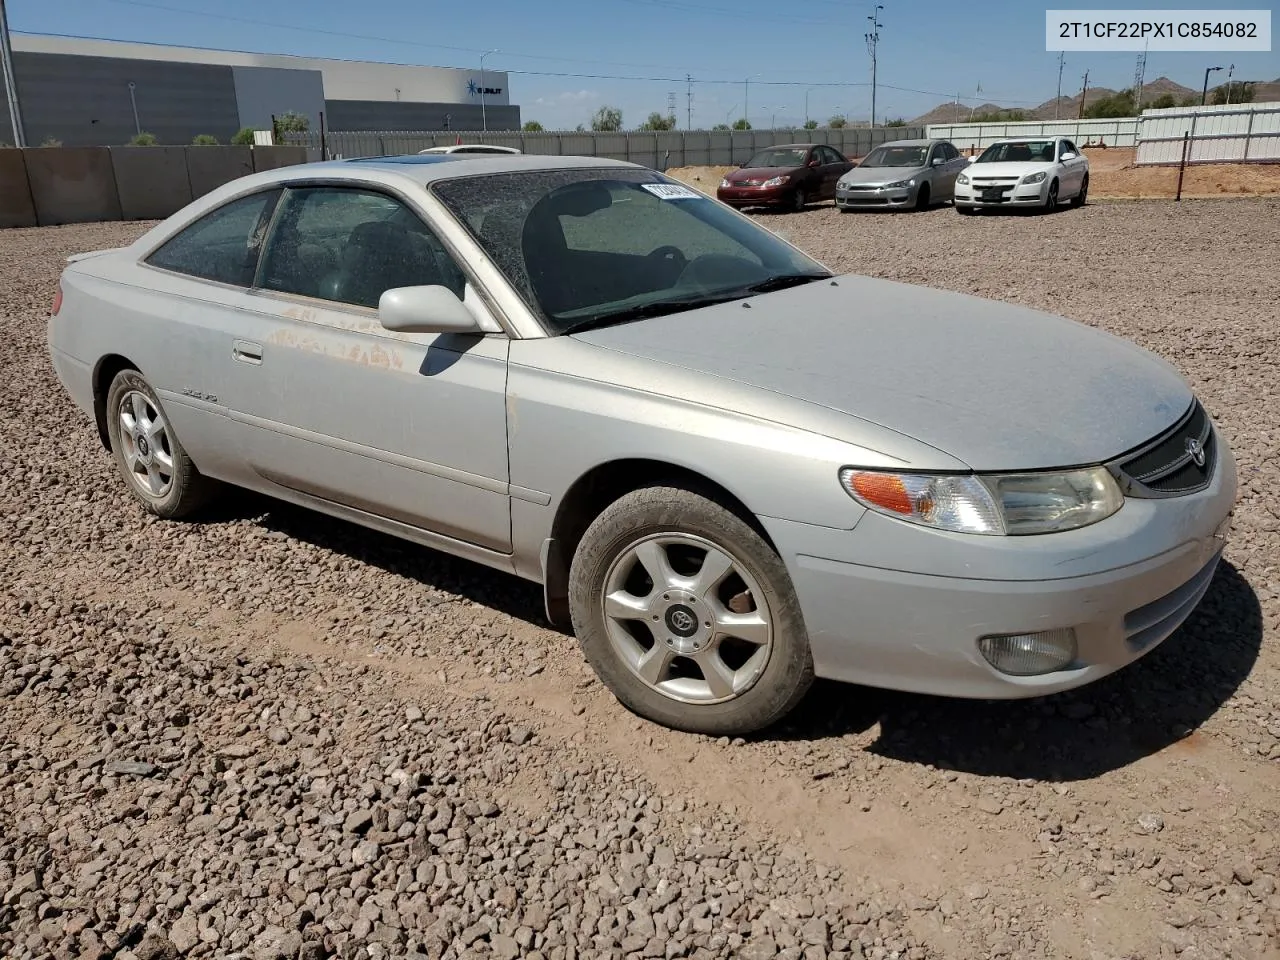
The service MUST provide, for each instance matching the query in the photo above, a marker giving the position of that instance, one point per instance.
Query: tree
(144, 139)
(811, 124)
(1241, 92)
(1191, 101)
(742, 123)
(657, 121)
(838, 121)
(899, 122)
(204, 140)
(1119, 104)
(721, 126)
(1163, 102)
(580, 128)
(607, 120)
(292, 122)
(532, 126)
(243, 137)
(999, 116)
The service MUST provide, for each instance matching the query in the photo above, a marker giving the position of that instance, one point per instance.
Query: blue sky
(941, 48)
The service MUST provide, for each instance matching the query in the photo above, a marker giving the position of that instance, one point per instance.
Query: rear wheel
(1081, 198)
(152, 460)
(688, 615)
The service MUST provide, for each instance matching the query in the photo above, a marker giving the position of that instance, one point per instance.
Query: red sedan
(789, 175)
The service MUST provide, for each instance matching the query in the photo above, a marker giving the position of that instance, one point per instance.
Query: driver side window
(350, 245)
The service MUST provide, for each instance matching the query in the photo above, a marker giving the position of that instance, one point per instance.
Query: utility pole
(1139, 74)
(1080, 112)
(1204, 93)
(484, 120)
(975, 102)
(1230, 71)
(10, 85)
(688, 96)
(873, 40)
(671, 108)
(1057, 103)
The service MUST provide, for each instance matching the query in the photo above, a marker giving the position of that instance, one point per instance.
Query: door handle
(246, 352)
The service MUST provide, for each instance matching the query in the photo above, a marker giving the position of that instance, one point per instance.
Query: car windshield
(1023, 151)
(895, 157)
(790, 157)
(590, 247)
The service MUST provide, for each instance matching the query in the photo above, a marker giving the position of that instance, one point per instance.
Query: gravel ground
(271, 734)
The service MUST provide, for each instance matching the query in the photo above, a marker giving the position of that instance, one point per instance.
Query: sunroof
(409, 158)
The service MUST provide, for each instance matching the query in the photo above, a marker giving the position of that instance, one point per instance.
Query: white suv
(1024, 172)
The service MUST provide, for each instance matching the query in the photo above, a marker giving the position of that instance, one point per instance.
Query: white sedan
(1024, 172)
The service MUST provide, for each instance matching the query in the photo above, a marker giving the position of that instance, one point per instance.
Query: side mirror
(938, 161)
(431, 309)
(815, 162)
(1068, 155)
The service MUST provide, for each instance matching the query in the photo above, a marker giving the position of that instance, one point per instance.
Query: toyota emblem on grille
(681, 620)
(1195, 451)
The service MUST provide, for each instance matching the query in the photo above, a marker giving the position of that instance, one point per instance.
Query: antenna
(873, 40)
(1057, 103)
(1139, 74)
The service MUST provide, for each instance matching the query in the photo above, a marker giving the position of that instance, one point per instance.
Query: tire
(964, 211)
(799, 199)
(151, 458)
(1051, 200)
(1081, 198)
(763, 677)
(922, 198)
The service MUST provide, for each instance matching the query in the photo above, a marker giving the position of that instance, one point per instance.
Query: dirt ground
(271, 734)
(1113, 176)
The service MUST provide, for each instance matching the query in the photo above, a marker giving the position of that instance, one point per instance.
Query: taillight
(57, 300)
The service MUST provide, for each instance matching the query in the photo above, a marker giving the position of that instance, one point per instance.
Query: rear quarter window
(224, 245)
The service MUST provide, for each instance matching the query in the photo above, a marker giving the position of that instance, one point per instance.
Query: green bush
(51, 142)
(532, 126)
(811, 124)
(291, 121)
(837, 122)
(742, 123)
(244, 138)
(204, 140)
(144, 139)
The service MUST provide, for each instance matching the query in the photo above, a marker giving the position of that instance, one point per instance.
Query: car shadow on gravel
(503, 592)
(1156, 703)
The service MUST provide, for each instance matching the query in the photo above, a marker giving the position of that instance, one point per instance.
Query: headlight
(725, 182)
(1011, 504)
(777, 181)
(899, 184)
(1034, 177)
(962, 178)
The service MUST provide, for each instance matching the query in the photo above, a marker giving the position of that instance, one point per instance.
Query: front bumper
(1124, 585)
(871, 199)
(755, 196)
(1018, 195)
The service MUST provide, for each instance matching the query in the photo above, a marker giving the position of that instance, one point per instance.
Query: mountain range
(1066, 108)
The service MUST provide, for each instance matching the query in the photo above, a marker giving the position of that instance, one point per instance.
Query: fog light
(1030, 654)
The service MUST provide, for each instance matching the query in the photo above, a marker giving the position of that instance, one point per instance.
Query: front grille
(1179, 462)
(745, 183)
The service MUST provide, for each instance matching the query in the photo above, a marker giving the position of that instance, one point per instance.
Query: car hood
(996, 386)
(758, 173)
(881, 174)
(1015, 168)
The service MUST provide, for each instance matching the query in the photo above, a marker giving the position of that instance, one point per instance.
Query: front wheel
(922, 198)
(963, 210)
(687, 615)
(799, 199)
(1051, 200)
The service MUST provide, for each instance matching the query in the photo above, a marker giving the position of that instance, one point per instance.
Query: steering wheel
(668, 252)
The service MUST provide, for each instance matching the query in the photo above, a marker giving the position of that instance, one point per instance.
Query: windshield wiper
(658, 308)
(786, 280)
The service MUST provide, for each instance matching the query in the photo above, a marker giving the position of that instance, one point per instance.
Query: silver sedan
(730, 469)
(903, 174)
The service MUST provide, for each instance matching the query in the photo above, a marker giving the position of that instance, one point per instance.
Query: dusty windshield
(590, 246)
(1022, 152)
(777, 158)
(895, 157)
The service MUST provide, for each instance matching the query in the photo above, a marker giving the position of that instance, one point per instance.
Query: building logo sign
(474, 89)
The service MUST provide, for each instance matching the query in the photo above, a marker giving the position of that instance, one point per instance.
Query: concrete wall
(53, 185)
(84, 101)
(263, 92)
(380, 115)
(16, 207)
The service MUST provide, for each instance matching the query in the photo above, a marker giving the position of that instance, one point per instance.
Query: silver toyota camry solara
(731, 470)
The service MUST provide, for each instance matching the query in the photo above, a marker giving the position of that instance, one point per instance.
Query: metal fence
(1239, 133)
(1114, 133)
(659, 150)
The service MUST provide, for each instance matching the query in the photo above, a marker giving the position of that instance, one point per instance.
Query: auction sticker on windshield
(672, 191)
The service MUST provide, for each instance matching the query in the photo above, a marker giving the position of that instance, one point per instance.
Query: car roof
(425, 169)
(791, 146)
(919, 142)
(1029, 139)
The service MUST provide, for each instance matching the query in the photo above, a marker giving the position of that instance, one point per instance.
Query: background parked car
(1024, 172)
(470, 148)
(790, 175)
(903, 173)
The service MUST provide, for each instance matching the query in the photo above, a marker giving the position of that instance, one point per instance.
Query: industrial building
(103, 92)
